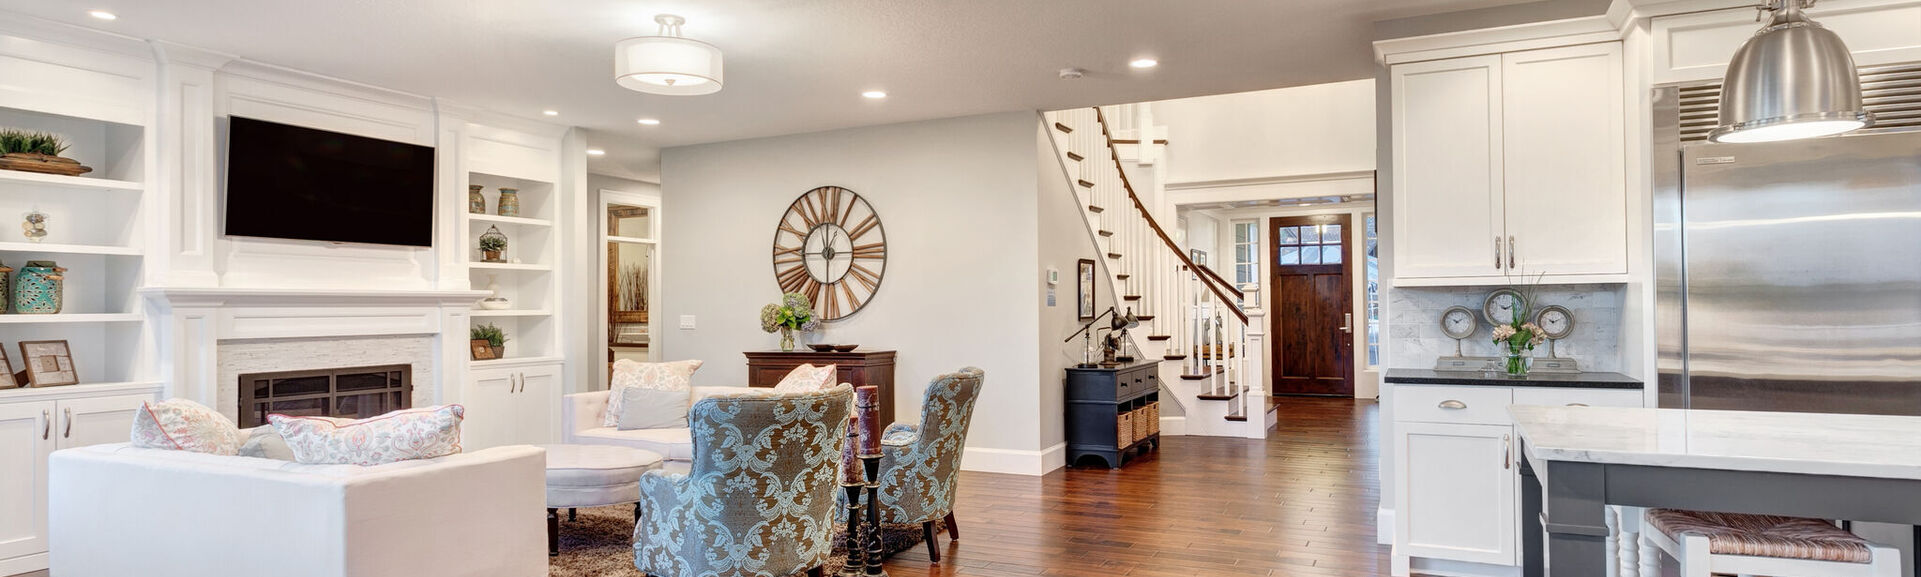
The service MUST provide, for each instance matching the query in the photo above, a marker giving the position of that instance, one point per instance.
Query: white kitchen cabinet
(33, 424)
(511, 405)
(1508, 165)
(1448, 201)
(1458, 488)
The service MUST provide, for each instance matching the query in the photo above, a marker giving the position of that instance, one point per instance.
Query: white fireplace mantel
(193, 322)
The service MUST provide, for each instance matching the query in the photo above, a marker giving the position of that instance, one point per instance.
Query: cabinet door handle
(1507, 452)
(1513, 246)
(1452, 404)
(46, 424)
(517, 382)
(69, 432)
(1497, 252)
(1577, 404)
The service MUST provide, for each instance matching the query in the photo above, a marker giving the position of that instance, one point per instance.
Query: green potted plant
(37, 152)
(496, 338)
(792, 313)
(491, 245)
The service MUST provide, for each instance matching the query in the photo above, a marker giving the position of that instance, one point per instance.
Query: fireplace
(351, 392)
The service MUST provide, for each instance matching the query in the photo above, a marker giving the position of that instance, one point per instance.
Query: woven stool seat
(1763, 535)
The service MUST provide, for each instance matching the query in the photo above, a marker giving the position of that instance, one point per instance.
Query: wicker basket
(1154, 418)
(1124, 430)
(1143, 423)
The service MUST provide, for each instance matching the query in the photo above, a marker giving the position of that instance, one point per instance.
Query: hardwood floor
(1300, 503)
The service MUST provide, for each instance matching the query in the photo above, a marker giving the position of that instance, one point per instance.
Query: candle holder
(852, 481)
(872, 534)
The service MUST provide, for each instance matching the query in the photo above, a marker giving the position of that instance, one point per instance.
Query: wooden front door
(1313, 324)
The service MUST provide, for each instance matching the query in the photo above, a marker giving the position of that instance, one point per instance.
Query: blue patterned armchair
(759, 500)
(920, 466)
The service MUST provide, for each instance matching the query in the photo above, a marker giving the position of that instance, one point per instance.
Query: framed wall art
(48, 363)
(1084, 289)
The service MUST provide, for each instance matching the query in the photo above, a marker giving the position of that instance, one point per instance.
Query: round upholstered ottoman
(592, 476)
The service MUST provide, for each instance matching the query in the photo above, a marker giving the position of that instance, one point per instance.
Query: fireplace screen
(352, 393)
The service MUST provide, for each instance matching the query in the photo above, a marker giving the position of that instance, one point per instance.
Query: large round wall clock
(831, 247)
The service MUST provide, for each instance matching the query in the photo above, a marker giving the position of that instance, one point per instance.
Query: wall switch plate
(686, 322)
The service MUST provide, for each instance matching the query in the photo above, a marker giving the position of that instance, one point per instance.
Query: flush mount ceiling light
(667, 63)
(649, 121)
(103, 15)
(550, 112)
(874, 94)
(596, 152)
(1144, 63)
(1793, 79)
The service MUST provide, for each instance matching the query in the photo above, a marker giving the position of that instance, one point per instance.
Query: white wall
(958, 200)
(1306, 130)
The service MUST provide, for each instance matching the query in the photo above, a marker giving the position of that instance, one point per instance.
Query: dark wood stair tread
(1216, 397)
(1125, 276)
(1096, 208)
(1062, 127)
(1113, 255)
(1144, 318)
(1075, 157)
(1173, 357)
(1204, 374)
(1131, 298)
(1085, 184)
(1106, 233)
(1158, 338)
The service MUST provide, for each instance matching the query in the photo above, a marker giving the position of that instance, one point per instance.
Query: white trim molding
(1571, 31)
(1014, 461)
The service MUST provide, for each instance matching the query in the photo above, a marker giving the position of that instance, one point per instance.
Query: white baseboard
(23, 564)
(1014, 461)
(1384, 526)
(1173, 426)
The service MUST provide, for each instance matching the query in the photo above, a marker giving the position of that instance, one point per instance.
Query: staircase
(1206, 333)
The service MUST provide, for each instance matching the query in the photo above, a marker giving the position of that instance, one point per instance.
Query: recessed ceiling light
(596, 152)
(551, 112)
(103, 15)
(873, 94)
(1144, 63)
(649, 121)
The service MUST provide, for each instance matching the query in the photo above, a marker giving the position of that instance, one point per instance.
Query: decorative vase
(6, 290)
(509, 203)
(37, 288)
(476, 202)
(786, 340)
(1515, 364)
(35, 226)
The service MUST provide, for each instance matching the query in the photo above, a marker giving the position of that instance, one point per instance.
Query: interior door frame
(1356, 322)
(651, 201)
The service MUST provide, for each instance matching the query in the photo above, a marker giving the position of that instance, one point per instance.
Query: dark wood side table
(1096, 400)
(859, 368)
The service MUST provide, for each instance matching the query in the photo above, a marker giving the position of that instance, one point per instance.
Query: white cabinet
(1458, 501)
(511, 405)
(33, 424)
(1510, 164)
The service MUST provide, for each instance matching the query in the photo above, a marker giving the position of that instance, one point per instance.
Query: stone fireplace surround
(208, 337)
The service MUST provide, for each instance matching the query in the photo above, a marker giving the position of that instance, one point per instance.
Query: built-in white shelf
(513, 360)
(38, 179)
(508, 266)
(512, 313)
(520, 220)
(69, 318)
(82, 389)
(55, 248)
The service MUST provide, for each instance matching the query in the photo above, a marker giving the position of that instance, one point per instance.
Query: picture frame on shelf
(48, 364)
(482, 350)
(1084, 289)
(6, 371)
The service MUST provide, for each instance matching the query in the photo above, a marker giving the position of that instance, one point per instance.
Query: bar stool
(1738, 544)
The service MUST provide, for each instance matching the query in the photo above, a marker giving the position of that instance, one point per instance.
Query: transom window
(1308, 244)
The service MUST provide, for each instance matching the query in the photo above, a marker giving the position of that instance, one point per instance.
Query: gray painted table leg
(1531, 537)
(1576, 520)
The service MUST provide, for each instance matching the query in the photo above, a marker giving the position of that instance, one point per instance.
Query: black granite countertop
(1480, 378)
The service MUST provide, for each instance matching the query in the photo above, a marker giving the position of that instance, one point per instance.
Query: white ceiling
(792, 66)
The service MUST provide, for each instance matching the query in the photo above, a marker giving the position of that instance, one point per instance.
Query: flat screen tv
(300, 183)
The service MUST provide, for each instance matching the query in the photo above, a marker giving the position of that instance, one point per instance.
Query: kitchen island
(1578, 460)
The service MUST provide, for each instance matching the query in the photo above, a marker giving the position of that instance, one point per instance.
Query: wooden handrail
(1114, 153)
(1217, 278)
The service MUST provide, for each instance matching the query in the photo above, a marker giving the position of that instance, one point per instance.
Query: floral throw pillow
(183, 425)
(806, 378)
(422, 433)
(674, 376)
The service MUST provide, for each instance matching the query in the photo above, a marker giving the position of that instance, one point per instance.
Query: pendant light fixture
(666, 63)
(1793, 79)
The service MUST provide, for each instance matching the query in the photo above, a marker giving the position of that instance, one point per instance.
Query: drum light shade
(667, 63)
(1793, 79)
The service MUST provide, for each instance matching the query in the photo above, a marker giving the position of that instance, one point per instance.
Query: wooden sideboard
(1099, 400)
(858, 368)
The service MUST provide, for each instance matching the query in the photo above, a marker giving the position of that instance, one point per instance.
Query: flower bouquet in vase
(792, 313)
(1517, 337)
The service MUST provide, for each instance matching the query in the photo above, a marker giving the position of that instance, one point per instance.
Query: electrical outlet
(686, 322)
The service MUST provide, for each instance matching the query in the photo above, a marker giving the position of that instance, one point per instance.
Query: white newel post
(1256, 365)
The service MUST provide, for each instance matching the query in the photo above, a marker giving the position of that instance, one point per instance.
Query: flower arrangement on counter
(792, 313)
(1518, 337)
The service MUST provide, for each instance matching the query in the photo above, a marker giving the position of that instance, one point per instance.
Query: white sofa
(582, 413)
(120, 510)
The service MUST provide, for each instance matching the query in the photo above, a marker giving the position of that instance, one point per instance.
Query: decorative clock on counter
(1504, 306)
(1556, 323)
(830, 246)
(1459, 323)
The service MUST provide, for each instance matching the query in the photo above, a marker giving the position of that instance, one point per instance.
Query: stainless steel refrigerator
(1788, 275)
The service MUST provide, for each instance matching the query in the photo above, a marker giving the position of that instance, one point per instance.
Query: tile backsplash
(1414, 330)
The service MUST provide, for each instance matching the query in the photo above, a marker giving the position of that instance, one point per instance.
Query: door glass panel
(1331, 254)
(630, 221)
(1289, 235)
(1311, 255)
(1290, 255)
(1331, 233)
(1310, 234)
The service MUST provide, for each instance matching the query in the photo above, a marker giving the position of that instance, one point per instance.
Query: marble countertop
(1879, 446)
(1479, 378)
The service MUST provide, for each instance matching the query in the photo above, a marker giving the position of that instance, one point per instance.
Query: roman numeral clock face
(831, 247)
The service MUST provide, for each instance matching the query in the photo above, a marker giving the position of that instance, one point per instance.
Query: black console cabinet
(1096, 401)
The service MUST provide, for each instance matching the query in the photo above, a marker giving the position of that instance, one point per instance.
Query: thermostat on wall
(1053, 276)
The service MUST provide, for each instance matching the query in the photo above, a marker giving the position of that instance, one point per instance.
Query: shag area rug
(601, 544)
